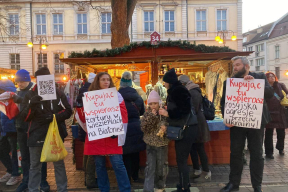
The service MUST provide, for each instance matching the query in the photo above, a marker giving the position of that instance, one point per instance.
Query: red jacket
(107, 146)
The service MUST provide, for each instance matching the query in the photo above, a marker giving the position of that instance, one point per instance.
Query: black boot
(281, 152)
(257, 189)
(230, 187)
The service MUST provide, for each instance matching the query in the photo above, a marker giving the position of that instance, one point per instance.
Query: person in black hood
(178, 110)
(39, 114)
(134, 136)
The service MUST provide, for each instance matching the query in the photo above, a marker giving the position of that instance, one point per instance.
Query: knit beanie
(126, 80)
(42, 71)
(91, 77)
(184, 79)
(154, 97)
(170, 77)
(22, 75)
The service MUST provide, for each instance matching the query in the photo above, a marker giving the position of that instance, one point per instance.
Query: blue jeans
(119, 169)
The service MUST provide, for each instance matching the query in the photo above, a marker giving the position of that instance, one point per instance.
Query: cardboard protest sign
(102, 114)
(46, 87)
(244, 102)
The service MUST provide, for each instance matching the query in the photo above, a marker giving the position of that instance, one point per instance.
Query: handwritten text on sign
(244, 102)
(102, 114)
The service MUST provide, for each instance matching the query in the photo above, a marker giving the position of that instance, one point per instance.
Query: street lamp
(222, 35)
(43, 45)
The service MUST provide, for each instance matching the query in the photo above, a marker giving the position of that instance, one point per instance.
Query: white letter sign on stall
(46, 87)
(102, 114)
(244, 102)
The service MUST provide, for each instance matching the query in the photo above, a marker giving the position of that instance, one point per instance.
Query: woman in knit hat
(178, 110)
(134, 136)
(154, 127)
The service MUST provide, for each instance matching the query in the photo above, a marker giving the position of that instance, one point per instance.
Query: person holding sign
(277, 112)
(102, 125)
(239, 134)
(39, 113)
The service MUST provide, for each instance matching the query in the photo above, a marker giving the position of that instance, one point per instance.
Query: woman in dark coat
(178, 110)
(203, 135)
(134, 136)
(277, 112)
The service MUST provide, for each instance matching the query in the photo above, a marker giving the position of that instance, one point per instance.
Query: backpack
(208, 108)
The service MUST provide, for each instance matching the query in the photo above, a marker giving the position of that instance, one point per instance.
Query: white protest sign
(46, 87)
(102, 114)
(244, 102)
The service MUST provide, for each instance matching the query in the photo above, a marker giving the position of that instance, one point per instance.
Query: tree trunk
(122, 11)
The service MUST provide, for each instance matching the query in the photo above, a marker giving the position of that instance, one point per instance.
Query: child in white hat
(154, 128)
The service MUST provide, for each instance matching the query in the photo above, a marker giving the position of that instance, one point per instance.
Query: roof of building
(258, 36)
(281, 28)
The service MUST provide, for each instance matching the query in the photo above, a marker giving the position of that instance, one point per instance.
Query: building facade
(270, 45)
(67, 26)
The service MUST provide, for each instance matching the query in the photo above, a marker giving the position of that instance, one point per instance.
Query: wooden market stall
(7, 74)
(194, 61)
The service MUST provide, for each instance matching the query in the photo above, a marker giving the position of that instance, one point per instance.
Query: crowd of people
(146, 129)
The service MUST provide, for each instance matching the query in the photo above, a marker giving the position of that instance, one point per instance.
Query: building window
(244, 48)
(277, 52)
(201, 20)
(244, 39)
(14, 24)
(82, 23)
(277, 72)
(251, 62)
(169, 21)
(106, 22)
(59, 66)
(57, 24)
(43, 59)
(148, 21)
(221, 20)
(260, 62)
(250, 48)
(260, 47)
(15, 61)
(41, 24)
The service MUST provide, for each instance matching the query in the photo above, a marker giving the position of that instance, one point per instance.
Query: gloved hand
(17, 98)
(114, 136)
(46, 118)
(35, 100)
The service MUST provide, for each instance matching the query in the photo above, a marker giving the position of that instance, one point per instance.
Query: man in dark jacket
(22, 78)
(39, 114)
(254, 136)
(88, 163)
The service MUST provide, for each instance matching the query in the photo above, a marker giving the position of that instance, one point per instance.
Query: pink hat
(154, 97)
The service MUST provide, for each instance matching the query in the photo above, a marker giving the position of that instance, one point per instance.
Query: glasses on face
(271, 76)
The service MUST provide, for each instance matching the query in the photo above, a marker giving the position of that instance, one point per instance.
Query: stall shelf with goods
(207, 66)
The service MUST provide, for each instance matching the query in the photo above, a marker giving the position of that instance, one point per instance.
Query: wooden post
(154, 70)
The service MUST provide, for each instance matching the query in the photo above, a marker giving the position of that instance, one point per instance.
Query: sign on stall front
(244, 102)
(102, 114)
(155, 38)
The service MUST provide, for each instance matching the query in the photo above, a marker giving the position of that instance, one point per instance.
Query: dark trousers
(269, 140)
(25, 155)
(4, 154)
(198, 149)
(131, 162)
(254, 137)
(183, 148)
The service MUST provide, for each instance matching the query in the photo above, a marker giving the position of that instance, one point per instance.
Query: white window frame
(261, 47)
(82, 23)
(251, 62)
(277, 56)
(250, 48)
(58, 63)
(44, 64)
(221, 20)
(41, 24)
(14, 25)
(149, 21)
(57, 24)
(201, 20)
(169, 21)
(106, 23)
(259, 62)
(15, 63)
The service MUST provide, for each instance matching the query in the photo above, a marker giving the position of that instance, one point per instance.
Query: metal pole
(41, 51)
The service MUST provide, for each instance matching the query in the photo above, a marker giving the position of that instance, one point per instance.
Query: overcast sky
(262, 12)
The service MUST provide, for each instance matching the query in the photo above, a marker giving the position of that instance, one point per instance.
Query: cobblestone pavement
(275, 178)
